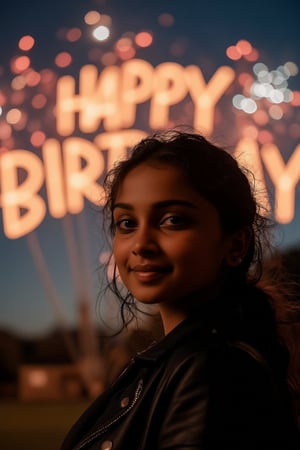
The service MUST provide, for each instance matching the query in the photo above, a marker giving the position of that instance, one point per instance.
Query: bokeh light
(18, 82)
(37, 138)
(233, 53)
(101, 33)
(92, 17)
(244, 47)
(26, 43)
(32, 78)
(13, 116)
(166, 20)
(19, 64)
(39, 101)
(74, 34)
(144, 39)
(63, 59)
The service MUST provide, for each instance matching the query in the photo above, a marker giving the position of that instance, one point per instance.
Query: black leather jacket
(190, 391)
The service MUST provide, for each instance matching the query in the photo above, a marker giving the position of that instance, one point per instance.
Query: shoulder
(246, 401)
(238, 369)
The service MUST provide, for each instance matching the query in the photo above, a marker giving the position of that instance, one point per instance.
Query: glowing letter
(169, 89)
(81, 180)
(21, 196)
(247, 155)
(136, 88)
(285, 178)
(98, 99)
(205, 96)
(117, 143)
(54, 178)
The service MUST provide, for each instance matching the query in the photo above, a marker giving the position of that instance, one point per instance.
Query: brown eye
(173, 221)
(125, 225)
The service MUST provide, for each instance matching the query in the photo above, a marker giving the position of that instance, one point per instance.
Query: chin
(147, 300)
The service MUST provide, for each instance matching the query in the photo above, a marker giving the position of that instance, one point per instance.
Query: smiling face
(168, 241)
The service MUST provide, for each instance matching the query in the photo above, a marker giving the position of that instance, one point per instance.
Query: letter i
(54, 178)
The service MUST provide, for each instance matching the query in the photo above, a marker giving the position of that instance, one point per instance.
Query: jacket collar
(188, 330)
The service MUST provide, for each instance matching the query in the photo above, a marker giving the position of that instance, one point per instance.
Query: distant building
(50, 383)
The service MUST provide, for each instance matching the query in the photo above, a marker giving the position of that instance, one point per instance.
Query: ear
(238, 247)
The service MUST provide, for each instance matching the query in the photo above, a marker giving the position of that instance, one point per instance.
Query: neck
(199, 304)
(171, 318)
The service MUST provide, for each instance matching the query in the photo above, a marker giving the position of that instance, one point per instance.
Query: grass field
(36, 426)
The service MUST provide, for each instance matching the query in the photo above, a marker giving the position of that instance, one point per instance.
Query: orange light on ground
(20, 64)
(74, 34)
(233, 53)
(143, 39)
(32, 78)
(26, 43)
(38, 378)
(244, 47)
(39, 101)
(37, 138)
(92, 17)
(63, 59)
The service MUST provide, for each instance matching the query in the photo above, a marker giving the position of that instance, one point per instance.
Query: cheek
(116, 250)
(193, 250)
(120, 250)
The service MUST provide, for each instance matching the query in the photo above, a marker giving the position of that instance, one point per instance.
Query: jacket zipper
(104, 427)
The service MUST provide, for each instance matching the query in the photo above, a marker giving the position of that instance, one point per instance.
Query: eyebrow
(158, 205)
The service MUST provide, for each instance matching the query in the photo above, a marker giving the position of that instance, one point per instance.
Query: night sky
(186, 32)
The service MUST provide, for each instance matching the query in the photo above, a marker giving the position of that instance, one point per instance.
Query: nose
(145, 242)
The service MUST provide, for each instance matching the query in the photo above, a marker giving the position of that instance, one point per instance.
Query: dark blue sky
(203, 31)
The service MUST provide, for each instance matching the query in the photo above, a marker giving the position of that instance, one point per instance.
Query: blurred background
(81, 81)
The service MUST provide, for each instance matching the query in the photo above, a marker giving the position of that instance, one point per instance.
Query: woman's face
(168, 240)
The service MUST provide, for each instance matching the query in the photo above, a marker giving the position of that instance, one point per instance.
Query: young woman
(188, 236)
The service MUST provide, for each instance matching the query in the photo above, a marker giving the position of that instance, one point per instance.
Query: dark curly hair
(217, 176)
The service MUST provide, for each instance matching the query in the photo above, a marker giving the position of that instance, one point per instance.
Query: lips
(149, 272)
